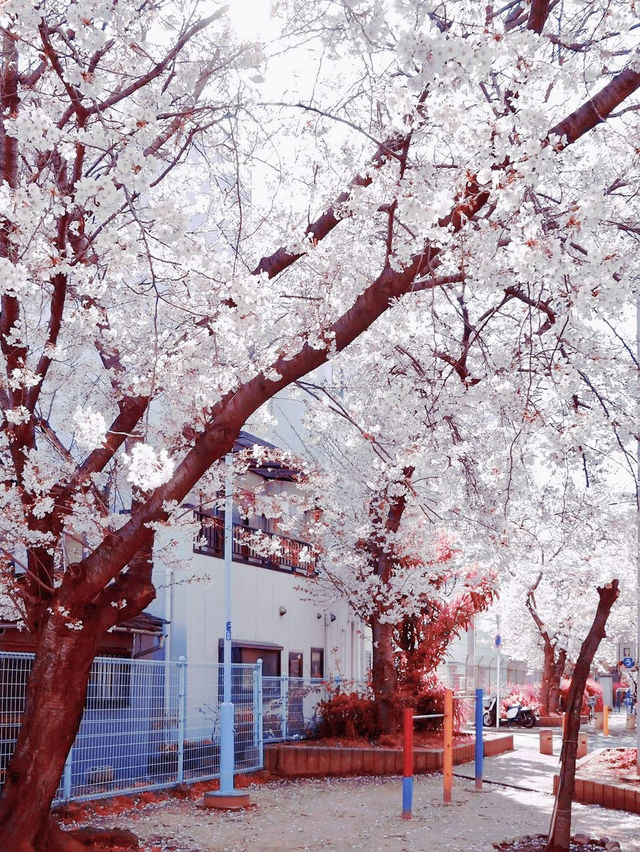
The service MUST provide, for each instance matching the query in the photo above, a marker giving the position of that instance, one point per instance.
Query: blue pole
(227, 756)
(407, 797)
(479, 743)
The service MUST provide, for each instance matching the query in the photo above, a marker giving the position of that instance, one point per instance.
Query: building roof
(270, 468)
(142, 622)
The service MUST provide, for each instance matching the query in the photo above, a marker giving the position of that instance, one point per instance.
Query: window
(242, 682)
(247, 653)
(295, 664)
(317, 662)
(109, 685)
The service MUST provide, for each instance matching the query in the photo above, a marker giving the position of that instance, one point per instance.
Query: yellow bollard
(447, 762)
(605, 720)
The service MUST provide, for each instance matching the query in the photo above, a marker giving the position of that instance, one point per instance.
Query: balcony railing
(255, 547)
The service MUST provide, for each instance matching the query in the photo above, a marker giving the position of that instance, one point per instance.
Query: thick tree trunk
(55, 703)
(547, 676)
(556, 678)
(560, 828)
(55, 699)
(552, 671)
(384, 675)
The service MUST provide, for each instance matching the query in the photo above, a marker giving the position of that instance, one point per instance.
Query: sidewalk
(527, 769)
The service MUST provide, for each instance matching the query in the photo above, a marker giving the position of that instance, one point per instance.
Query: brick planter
(607, 794)
(296, 761)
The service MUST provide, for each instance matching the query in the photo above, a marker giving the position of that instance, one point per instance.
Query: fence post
(66, 776)
(182, 712)
(479, 755)
(284, 712)
(258, 733)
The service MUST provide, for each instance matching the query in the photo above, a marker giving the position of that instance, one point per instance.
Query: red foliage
(424, 638)
(75, 812)
(429, 699)
(348, 714)
(592, 688)
(352, 715)
(525, 694)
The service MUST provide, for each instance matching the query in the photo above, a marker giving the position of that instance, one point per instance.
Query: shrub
(428, 700)
(348, 714)
(525, 694)
(592, 688)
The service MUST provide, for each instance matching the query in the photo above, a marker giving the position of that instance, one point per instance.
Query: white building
(273, 615)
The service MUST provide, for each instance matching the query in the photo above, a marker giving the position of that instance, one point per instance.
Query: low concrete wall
(294, 761)
(556, 721)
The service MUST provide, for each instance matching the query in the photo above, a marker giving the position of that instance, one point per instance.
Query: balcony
(255, 547)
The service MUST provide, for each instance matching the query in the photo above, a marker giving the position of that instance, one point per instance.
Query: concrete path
(527, 769)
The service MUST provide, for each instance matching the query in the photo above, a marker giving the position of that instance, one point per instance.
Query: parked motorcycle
(517, 716)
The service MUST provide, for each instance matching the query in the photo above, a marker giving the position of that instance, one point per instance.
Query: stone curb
(607, 794)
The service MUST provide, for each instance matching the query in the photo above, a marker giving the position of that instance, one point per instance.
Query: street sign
(628, 662)
(498, 641)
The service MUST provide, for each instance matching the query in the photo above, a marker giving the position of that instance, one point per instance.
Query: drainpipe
(352, 673)
(168, 611)
(168, 615)
(637, 534)
(327, 645)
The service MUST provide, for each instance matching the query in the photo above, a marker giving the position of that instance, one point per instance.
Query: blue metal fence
(147, 724)
(150, 724)
(290, 704)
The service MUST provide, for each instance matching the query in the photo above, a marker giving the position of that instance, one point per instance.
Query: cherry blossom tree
(387, 533)
(182, 237)
(564, 544)
(560, 828)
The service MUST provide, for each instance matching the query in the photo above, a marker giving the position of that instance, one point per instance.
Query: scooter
(517, 716)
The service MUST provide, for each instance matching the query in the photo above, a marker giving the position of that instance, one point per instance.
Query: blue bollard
(407, 796)
(479, 744)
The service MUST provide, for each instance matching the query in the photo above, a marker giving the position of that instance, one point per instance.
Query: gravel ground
(364, 813)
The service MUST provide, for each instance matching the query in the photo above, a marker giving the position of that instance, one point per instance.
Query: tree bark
(384, 556)
(384, 677)
(54, 706)
(545, 682)
(560, 828)
(552, 667)
(556, 678)
(552, 671)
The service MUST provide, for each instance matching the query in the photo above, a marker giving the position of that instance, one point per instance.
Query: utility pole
(499, 650)
(637, 654)
(227, 798)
